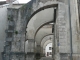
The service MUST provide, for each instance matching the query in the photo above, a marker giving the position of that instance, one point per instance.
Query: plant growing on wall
(16, 32)
(29, 8)
(10, 17)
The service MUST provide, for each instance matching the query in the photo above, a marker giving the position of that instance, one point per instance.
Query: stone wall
(21, 19)
(3, 26)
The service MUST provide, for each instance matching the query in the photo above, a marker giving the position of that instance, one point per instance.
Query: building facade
(32, 26)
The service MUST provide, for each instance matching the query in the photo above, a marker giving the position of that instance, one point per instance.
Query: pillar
(31, 46)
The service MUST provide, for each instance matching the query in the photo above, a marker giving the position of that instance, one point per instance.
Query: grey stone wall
(21, 18)
(3, 26)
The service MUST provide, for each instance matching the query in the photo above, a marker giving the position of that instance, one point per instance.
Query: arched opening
(37, 31)
(46, 40)
(48, 50)
(42, 22)
(36, 28)
(40, 25)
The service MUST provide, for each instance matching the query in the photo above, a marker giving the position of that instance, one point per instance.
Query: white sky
(20, 1)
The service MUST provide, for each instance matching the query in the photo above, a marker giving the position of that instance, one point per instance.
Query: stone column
(44, 51)
(30, 54)
(18, 43)
(38, 52)
(38, 48)
(62, 32)
(31, 45)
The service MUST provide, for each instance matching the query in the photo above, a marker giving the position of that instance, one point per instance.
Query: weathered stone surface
(62, 28)
(40, 18)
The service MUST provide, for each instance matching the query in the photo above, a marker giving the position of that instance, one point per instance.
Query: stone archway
(42, 15)
(36, 17)
(46, 40)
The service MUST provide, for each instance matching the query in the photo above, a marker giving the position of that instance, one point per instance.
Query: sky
(20, 1)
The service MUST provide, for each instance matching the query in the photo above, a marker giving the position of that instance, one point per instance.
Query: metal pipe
(53, 31)
(71, 58)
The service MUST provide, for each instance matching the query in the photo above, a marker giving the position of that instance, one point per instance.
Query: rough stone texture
(19, 39)
(62, 29)
(30, 56)
(62, 36)
(18, 36)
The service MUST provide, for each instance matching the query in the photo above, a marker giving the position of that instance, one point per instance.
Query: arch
(45, 36)
(42, 8)
(38, 21)
(45, 44)
(41, 27)
(49, 21)
(38, 11)
(49, 35)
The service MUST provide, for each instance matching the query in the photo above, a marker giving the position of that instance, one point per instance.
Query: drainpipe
(71, 49)
(54, 21)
